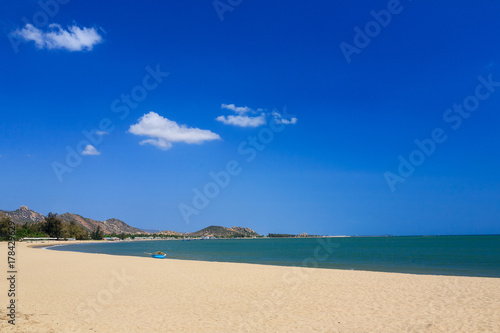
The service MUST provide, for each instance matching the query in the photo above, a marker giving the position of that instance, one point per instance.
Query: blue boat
(159, 255)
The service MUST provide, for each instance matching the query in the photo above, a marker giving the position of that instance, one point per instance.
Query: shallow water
(441, 255)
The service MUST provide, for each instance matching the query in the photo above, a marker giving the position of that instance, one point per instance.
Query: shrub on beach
(4, 228)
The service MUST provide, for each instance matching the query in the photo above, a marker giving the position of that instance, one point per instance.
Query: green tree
(53, 226)
(97, 234)
(30, 230)
(4, 228)
(73, 230)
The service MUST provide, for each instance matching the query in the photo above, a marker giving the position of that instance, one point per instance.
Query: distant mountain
(169, 232)
(115, 226)
(110, 226)
(151, 231)
(218, 231)
(247, 232)
(24, 215)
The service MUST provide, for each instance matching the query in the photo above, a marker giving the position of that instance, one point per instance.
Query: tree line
(281, 236)
(52, 227)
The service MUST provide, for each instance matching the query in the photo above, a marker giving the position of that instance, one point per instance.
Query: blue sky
(308, 114)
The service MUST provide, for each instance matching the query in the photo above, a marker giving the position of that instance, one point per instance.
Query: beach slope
(78, 292)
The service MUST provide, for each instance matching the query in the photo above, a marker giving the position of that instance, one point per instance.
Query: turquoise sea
(441, 255)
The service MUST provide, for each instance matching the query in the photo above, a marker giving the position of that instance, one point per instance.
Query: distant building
(209, 237)
(39, 239)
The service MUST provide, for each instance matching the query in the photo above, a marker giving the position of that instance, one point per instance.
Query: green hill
(223, 232)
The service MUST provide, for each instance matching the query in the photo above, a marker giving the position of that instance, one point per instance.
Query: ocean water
(437, 255)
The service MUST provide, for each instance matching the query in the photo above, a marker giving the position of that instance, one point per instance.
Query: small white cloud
(238, 109)
(90, 150)
(163, 132)
(286, 121)
(101, 133)
(279, 119)
(72, 39)
(243, 121)
(160, 143)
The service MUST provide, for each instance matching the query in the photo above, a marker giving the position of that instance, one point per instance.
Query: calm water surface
(443, 255)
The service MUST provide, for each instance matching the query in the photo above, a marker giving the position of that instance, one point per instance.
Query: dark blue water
(441, 255)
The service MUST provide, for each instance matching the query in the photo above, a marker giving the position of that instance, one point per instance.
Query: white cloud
(278, 118)
(163, 132)
(90, 150)
(243, 121)
(160, 143)
(286, 121)
(238, 109)
(73, 39)
(101, 133)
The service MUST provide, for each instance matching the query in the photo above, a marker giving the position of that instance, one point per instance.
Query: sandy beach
(78, 292)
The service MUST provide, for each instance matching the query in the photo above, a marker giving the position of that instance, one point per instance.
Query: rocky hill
(247, 232)
(24, 215)
(110, 226)
(218, 231)
(169, 233)
(115, 226)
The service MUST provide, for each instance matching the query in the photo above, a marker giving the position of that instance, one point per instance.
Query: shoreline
(52, 244)
(46, 245)
(63, 291)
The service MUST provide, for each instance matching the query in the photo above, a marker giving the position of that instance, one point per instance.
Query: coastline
(47, 244)
(62, 291)
(317, 253)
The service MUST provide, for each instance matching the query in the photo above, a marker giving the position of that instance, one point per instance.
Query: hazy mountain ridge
(115, 226)
(168, 232)
(110, 226)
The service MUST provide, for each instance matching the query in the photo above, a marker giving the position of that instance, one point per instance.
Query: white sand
(77, 292)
